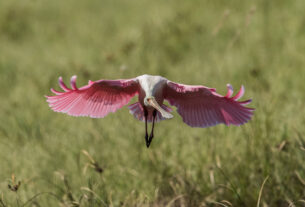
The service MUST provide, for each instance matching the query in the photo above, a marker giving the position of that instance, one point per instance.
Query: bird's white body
(151, 87)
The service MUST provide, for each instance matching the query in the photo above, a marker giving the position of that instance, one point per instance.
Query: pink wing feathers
(96, 99)
(200, 106)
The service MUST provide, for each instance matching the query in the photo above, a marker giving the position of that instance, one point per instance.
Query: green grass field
(260, 44)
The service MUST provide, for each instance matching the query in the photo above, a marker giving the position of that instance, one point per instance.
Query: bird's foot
(147, 141)
(150, 139)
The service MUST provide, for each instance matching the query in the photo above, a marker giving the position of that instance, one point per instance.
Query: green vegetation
(258, 43)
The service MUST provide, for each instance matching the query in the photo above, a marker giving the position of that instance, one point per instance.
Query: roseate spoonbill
(199, 106)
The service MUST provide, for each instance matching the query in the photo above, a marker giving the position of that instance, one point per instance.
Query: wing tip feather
(240, 93)
(63, 85)
(230, 90)
(73, 82)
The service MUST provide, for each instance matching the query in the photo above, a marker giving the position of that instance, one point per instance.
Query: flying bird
(199, 106)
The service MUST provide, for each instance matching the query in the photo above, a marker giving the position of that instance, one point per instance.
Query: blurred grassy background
(258, 43)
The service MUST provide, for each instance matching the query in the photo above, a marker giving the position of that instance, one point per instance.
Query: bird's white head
(151, 101)
(147, 99)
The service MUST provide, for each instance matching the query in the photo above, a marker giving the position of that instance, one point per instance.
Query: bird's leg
(151, 136)
(146, 134)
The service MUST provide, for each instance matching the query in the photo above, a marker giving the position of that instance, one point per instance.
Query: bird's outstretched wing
(200, 106)
(96, 99)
